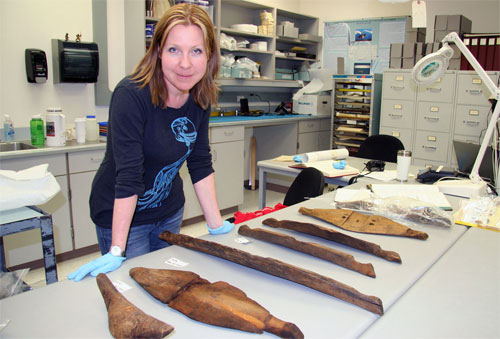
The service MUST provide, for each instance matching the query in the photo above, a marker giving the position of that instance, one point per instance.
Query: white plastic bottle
(8, 129)
(91, 129)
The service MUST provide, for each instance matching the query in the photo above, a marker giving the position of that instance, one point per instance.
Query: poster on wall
(363, 44)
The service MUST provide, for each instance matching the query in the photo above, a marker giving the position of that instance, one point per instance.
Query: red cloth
(241, 217)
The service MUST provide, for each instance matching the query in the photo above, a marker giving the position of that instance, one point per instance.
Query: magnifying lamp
(431, 67)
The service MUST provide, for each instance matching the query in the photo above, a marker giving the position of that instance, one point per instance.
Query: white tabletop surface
(69, 309)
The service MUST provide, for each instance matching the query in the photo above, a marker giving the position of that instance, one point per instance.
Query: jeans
(144, 238)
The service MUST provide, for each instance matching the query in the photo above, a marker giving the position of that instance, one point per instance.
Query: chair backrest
(308, 184)
(380, 147)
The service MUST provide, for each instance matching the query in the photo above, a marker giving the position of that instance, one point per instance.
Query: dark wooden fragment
(280, 269)
(335, 236)
(317, 250)
(125, 320)
(363, 223)
(219, 303)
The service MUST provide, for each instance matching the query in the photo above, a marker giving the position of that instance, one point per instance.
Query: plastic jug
(36, 130)
(55, 127)
(91, 130)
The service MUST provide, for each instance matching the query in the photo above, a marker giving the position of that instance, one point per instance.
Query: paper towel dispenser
(75, 61)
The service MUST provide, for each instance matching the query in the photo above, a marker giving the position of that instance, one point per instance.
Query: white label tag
(477, 81)
(431, 138)
(434, 109)
(395, 134)
(176, 262)
(473, 112)
(121, 286)
(418, 14)
(399, 78)
(397, 106)
(241, 240)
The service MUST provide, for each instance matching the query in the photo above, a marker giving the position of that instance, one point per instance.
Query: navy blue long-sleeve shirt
(146, 147)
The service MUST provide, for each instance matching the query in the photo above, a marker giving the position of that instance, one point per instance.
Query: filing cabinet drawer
(306, 126)
(85, 161)
(403, 134)
(431, 145)
(442, 90)
(397, 113)
(226, 134)
(471, 120)
(434, 116)
(471, 89)
(324, 124)
(398, 85)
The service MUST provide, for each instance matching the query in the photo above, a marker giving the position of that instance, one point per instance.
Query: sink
(14, 146)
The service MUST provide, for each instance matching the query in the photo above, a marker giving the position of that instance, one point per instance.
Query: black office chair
(309, 183)
(380, 147)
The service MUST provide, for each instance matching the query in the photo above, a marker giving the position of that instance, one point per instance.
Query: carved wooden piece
(279, 269)
(126, 320)
(335, 236)
(218, 303)
(363, 223)
(317, 250)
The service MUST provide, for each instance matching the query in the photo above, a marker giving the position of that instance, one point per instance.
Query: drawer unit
(397, 113)
(85, 161)
(431, 145)
(226, 134)
(471, 120)
(443, 90)
(471, 90)
(57, 163)
(398, 85)
(434, 116)
(403, 134)
(306, 126)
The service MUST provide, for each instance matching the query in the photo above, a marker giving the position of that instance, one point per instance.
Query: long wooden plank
(335, 236)
(280, 269)
(337, 257)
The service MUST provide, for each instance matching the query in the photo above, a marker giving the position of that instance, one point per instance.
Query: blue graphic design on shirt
(185, 132)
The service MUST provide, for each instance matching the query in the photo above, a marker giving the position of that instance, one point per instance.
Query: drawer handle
(96, 159)
(398, 88)
(475, 91)
(429, 147)
(228, 133)
(395, 115)
(469, 122)
(434, 90)
(214, 155)
(432, 118)
(310, 125)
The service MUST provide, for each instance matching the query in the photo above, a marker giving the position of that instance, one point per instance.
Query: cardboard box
(287, 31)
(284, 74)
(454, 64)
(395, 63)
(414, 36)
(459, 23)
(313, 104)
(408, 63)
(396, 50)
(310, 37)
(409, 50)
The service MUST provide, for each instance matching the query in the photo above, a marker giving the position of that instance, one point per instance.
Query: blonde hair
(149, 71)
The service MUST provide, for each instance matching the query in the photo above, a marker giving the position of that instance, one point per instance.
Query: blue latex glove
(104, 264)
(225, 228)
(297, 158)
(339, 164)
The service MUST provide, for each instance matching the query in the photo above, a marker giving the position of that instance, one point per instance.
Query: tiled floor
(36, 278)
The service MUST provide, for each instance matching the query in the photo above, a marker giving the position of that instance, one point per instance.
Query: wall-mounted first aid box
(314, 104)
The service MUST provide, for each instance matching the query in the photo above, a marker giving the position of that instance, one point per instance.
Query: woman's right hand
(106, 263)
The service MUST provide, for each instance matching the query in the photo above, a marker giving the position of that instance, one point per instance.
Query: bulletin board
(362, 43)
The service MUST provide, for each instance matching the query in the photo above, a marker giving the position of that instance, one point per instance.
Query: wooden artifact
(124, 319)
(363, 223)
(317, 250)
(218, 303)
(279, 269)
(335, 236)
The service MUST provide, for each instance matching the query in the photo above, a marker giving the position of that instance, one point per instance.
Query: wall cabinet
(428, 118)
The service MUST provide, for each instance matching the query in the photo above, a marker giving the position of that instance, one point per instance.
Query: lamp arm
(453, 37)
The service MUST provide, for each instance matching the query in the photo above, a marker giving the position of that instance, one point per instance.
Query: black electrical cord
(268, 103)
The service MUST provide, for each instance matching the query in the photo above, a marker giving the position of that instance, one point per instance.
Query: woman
(158, 119)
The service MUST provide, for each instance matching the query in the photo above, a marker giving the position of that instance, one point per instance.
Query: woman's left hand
(225, 228)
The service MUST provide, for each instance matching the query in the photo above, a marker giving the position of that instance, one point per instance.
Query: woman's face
(183, 59)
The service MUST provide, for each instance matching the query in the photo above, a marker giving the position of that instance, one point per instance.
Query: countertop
(247, 121)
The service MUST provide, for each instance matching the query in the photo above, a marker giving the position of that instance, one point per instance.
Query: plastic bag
(12, 283)
(404, 209)
(227, 42)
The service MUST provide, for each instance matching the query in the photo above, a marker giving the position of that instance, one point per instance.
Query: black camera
(375, 165)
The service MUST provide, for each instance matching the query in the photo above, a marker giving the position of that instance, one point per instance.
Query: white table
(283, 168)
(69, 309)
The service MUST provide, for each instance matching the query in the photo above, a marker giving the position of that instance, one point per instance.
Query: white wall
(33, 23)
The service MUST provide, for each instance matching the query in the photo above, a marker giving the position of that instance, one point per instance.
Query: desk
(283, 168)
(28, 218)
(69, 309)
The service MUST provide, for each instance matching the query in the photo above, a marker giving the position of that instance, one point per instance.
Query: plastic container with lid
(37, 130)
(91, 129)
